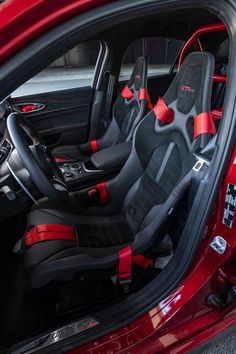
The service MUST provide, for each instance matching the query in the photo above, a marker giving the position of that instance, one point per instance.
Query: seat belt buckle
(93, 196)
(200, 163)
(124, 271)
(99, 193)
(125, 282)
(105, 123)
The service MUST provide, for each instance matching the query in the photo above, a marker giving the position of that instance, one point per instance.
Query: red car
(117, 175)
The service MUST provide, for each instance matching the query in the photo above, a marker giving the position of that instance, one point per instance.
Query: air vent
(5, 149)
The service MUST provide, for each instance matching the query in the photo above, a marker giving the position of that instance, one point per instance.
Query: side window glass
(72, 70)
(161, 52)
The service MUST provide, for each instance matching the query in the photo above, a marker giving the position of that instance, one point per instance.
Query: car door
(58, 100)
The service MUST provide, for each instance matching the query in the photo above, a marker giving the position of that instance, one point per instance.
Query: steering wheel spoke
(37, 158)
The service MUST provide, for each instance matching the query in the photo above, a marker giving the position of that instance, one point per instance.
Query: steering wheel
(37, 158)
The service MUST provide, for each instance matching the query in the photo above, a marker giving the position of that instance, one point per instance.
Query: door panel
(65, 116)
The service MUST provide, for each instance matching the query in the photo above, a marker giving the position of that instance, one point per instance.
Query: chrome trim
(90, 171)
(4, 99)
(58, 335)
(199, 163)
(218, 244)
(3, 140)
(59, 183)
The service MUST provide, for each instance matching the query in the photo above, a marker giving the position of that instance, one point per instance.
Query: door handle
(28, 107)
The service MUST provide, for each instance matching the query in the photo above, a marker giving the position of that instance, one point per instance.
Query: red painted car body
(182, 321)
(23, 21)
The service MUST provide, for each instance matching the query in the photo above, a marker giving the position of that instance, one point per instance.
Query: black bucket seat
(129, 108)
(141, 198)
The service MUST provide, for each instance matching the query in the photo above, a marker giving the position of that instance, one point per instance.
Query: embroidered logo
(186, 88)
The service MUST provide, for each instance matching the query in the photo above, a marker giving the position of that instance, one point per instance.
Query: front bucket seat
(129, 108)
(59, 245)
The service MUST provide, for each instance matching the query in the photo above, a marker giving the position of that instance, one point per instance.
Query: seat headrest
(139, 74)
(192, 85)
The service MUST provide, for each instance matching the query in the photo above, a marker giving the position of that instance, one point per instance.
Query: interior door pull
(28, 107)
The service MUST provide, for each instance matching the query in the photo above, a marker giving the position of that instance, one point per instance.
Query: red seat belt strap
(127, 93)
(103, 192)
(124, 273)
(144, 95)
(94, 145)
(49, 232)
(163, 112)
(217, 113)
(60, 159)
(204, 124)
(142, 261)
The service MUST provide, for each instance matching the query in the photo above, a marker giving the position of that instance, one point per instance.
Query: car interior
(98, 178)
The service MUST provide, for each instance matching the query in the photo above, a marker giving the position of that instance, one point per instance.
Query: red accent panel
(192, 40)
(92, 192)
(49, 232)
(28, 108)
(144, 95)
(125, 263)
(162, 111)
(127, 93)
(217, 113)
(94, 145)
(203, 124)
(220, 78)
(103, 192)
(60, 159)
(142, 261)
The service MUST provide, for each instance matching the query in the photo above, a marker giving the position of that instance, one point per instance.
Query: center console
(79, 173)
(103, 164)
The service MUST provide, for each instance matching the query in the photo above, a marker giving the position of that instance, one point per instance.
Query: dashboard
(5, 108)
(13, 199)
(5, 145)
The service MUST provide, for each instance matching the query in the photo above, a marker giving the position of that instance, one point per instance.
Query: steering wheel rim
(16, 125)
